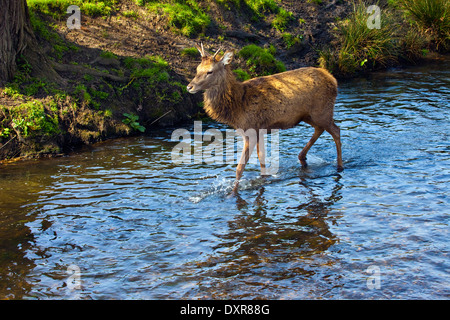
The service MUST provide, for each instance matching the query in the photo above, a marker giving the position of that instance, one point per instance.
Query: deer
(277, 101)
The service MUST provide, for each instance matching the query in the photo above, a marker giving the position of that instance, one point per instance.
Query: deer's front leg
(249, 145)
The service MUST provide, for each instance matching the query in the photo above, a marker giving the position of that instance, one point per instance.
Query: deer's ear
(227, 57)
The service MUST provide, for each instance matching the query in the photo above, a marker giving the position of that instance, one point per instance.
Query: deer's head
(210, 72)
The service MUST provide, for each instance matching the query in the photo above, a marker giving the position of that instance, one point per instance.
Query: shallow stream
(119, 220)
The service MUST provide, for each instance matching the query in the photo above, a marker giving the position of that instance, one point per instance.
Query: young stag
(278, 101)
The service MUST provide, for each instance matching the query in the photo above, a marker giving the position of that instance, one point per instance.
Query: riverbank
(125, 70)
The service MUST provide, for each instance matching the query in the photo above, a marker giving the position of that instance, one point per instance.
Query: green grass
(130, 14)
(188, 17)
(413, 46)
(259, 8)
(261, 61)
(360, 46)
(150, 78)
(58, 8)
(290, 40)
(430, 16)
(48, 32)
(108, 55)
(185, 16)
(241, 74)
(31, 119)
(152, 67)
(23, 84)
(409, 30)
(190, 52)
(282, 19)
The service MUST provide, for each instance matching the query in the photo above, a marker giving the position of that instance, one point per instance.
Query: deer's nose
(190, 88)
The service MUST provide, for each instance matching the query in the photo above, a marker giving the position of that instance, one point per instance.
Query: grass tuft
(191, 52)
(361, 47)
(58, 8)
(259, 8)
(31, 118)
(261, 61)
(185, 16)
(430, 17)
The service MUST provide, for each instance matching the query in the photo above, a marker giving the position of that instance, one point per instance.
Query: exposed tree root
(83, 70)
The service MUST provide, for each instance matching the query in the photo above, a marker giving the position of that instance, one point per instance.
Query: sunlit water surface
(137, 226)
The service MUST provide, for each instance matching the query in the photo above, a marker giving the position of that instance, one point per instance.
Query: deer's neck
(224, 102)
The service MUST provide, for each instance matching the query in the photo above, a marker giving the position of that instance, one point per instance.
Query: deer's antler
(201, 50)
(214, 56)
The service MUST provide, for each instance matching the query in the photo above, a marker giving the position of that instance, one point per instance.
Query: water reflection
(19, 190)
(260, 245)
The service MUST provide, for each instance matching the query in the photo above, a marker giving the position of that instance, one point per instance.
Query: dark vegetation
(409, 30)
(125, 70)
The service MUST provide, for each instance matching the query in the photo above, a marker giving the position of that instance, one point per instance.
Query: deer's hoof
(302, 159)
(303, 163)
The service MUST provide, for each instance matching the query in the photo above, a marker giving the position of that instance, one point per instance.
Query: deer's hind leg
(335, 132)
(260, 149)
(302, 155)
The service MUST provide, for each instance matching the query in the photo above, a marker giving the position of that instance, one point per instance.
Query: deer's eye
(209, 72)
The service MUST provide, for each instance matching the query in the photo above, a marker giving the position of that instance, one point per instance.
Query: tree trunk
(16, 39)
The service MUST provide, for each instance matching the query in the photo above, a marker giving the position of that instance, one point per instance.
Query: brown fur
(279, 101)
